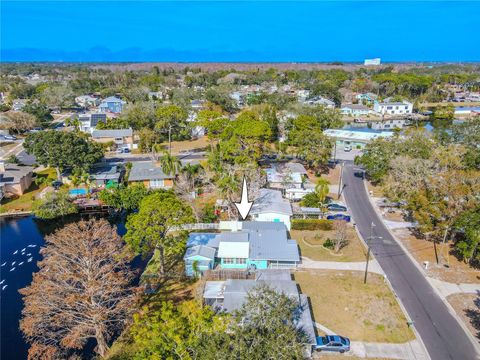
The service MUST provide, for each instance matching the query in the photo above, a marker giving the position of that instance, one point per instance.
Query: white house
(354, 110)
(269, 205)
(88, 122)
(393, 108)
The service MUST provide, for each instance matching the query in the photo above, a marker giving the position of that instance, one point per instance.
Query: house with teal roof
(258, 245)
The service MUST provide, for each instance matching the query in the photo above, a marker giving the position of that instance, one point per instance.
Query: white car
(347, 148)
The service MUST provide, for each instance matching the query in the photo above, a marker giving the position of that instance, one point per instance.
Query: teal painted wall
(259, 264)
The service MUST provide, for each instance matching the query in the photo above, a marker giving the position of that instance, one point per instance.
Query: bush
(312, 224)
(328, 244)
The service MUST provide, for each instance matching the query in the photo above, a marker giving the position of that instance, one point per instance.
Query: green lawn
(311, 246)
(363, 312)
(24, 202)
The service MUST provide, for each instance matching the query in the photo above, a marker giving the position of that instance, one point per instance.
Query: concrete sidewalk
(412, 350)
(373, 265)
(446, 288)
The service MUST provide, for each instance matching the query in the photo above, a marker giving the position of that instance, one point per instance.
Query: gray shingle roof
(271, 201)
(235, 294)
(147, 170)
(105, 172)
(112, 133)
(14, 173)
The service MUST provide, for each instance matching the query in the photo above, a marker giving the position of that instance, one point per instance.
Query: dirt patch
(363, 312)
(393, 215)
(423, 250)
(467, 307)
(188, 145)
(374, 190)
(333, 176)
(311, 246)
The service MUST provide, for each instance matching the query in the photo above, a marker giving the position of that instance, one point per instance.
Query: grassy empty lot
(188, 145)
(24, 202)
(310, 243)
(363, 312)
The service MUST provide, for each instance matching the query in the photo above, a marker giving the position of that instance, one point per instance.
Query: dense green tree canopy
(155, 227)
(63, 150)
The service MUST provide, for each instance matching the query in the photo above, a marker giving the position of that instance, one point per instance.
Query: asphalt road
(442, 335)
(191, 158)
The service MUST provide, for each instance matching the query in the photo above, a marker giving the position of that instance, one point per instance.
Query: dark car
(336, 207)
(332, 343)
(57, 184)
(339, 217)
(360, 174)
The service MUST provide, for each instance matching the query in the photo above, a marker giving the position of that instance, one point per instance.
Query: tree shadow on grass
(474, 315)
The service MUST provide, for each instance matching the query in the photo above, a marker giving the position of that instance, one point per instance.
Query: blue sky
(239, 31)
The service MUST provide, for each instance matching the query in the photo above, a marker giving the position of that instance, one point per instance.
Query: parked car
(359, 173)
(347, 148)
(336, 207)
(8, 137)
(332, 343)
(57, 184)
(123, 151)
(339, 217)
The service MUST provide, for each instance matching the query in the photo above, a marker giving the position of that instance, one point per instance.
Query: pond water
(20, 241)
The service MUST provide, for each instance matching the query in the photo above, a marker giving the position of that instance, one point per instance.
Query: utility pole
(372, 225)
(341, 178)
(335, 152)
(170, 139)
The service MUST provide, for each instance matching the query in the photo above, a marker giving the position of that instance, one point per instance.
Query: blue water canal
(21, 241)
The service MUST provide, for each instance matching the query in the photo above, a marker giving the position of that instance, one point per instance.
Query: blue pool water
(77, 192)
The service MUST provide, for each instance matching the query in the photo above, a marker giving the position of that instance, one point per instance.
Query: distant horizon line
(331, 62)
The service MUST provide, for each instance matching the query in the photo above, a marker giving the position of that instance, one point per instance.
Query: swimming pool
(78, 192)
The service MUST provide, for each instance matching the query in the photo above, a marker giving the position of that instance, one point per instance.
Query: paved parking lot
(346, 155)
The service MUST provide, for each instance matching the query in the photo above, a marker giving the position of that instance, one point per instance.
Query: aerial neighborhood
(243, 211)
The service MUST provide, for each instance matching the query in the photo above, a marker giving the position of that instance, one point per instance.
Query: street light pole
(368, 251)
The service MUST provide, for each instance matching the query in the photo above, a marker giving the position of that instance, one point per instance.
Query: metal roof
(234, 294)
(112, 133)
(112, 99)
(357, 135)
(271, 201)
(208, 239)
(200, 250)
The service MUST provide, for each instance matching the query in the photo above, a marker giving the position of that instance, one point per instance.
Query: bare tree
(82, 291)
(17, 121)
(341, 235)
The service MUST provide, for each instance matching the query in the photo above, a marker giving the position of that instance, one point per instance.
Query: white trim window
(157, 183)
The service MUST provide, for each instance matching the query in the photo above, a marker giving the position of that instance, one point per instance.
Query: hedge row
(312, 224)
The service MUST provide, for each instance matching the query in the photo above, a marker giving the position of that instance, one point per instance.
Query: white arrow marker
(244, 205)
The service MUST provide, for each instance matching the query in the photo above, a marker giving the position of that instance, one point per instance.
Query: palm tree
(191, 172)
(170, 164)
(228, 187)
(322, 189)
